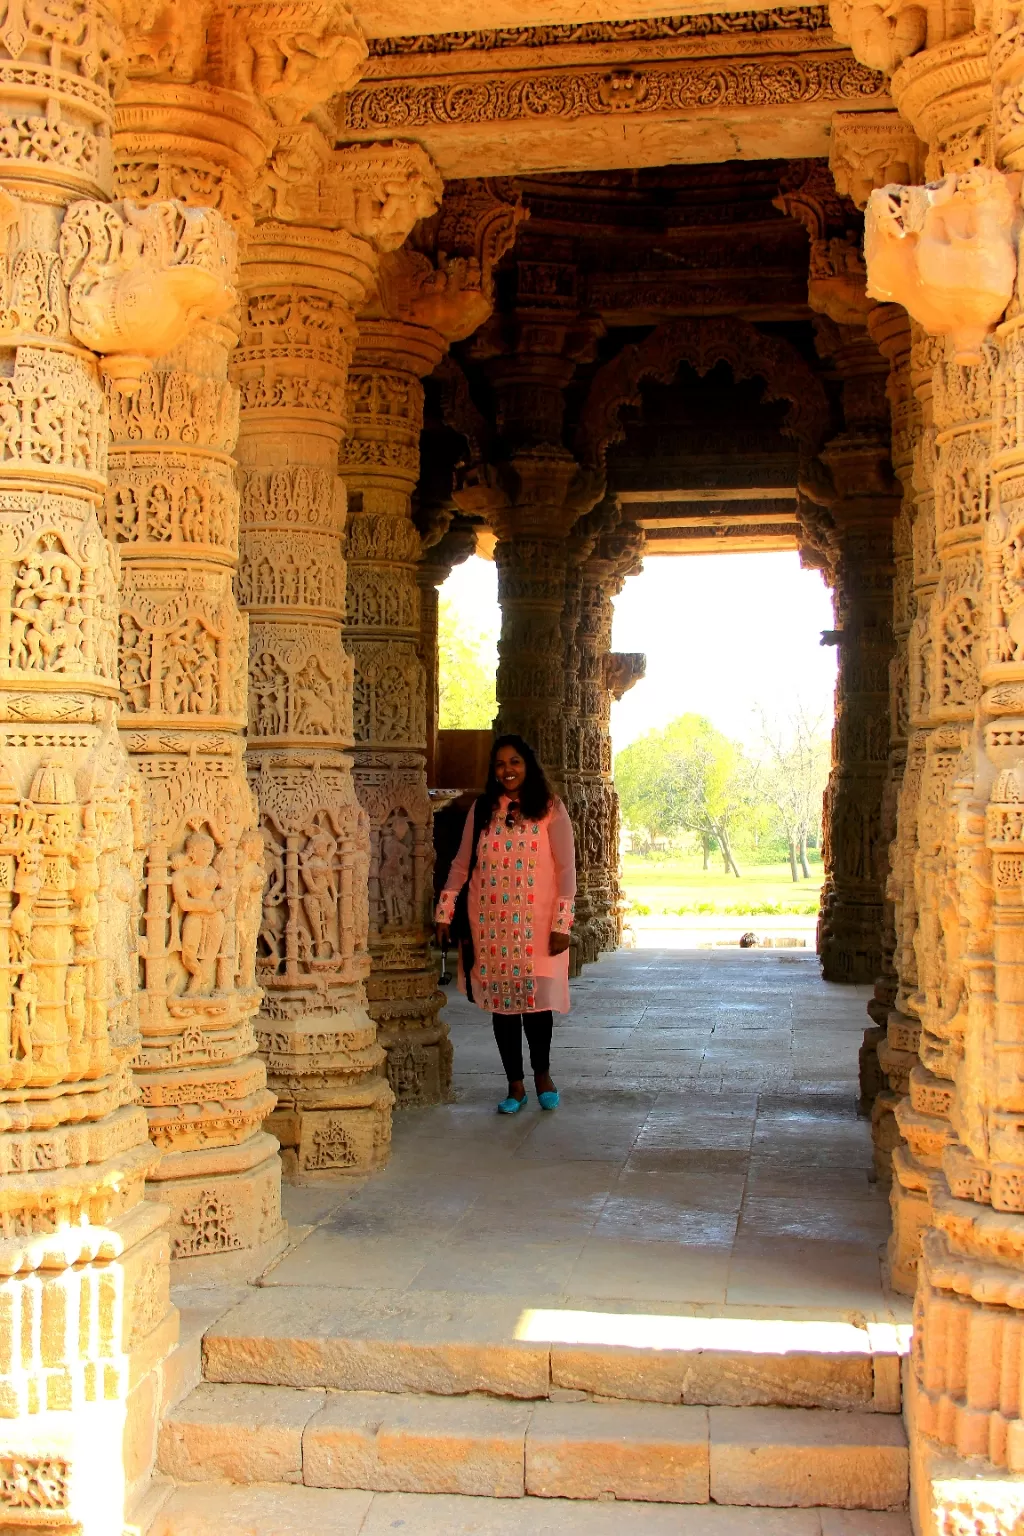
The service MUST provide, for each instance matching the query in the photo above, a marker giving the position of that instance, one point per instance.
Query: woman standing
(508, 902)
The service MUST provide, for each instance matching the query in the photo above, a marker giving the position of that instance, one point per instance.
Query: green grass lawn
(681, 885)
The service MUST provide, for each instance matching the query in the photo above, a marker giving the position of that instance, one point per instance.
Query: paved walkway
(707, 1157)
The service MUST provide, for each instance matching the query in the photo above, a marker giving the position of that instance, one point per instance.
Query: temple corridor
(706, 1172)
(707, 1151)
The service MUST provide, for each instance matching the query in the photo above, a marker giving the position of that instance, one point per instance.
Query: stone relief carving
(947, 252)
(138, 278)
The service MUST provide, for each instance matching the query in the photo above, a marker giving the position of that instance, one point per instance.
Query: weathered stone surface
(733, 1380)
(467, 1445)
(794, 1458)
(388, 1342)
(277, 1509)
(243, 1434)
(632, 1451)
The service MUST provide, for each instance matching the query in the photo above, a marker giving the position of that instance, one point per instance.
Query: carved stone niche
(947, 252)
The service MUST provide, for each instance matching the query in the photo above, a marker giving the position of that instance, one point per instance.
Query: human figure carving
(199, 897)
(396, 872)
(249, 903)
(28, 881)
(23, 1018)
(321, 892)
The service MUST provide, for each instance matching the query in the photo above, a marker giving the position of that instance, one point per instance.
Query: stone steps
(452, 1343)
(502, 1448)
(220, 1509)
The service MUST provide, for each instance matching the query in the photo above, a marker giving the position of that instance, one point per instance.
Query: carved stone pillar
(84, 1294)
(303, 284)
(885, 1058)
(173, 510)
(850, 930)
(603, 675)
(435, 291)
(962, 1122)
(380, 464)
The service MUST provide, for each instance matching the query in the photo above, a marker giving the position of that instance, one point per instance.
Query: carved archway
(702, 343)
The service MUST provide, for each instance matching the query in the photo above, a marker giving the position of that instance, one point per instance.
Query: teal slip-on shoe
(511, 1106)
(549, 1100)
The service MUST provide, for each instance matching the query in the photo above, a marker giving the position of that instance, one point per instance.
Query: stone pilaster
(303, 283)
(84, 1298)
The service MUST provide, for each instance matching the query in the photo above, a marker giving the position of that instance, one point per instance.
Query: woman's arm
(457, 874)
(563, 850)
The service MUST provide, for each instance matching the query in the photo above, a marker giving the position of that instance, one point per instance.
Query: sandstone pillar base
(950, 1494)
(911, 1204)
(225, 1201)
(419, 1054)
(333, 1114)
(84, 1345)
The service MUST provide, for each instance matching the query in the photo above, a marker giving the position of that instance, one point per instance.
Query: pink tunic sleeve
(458, 873)
(563, 853)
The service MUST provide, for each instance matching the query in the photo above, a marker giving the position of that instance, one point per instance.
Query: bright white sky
(726, 636)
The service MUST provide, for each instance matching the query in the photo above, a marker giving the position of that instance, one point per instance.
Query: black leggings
(508, 1032)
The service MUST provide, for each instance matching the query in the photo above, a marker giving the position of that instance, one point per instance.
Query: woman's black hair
(535, 792)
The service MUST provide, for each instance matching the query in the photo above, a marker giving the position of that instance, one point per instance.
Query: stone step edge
(391, 1342)
(487, 1447)
(272, 1509)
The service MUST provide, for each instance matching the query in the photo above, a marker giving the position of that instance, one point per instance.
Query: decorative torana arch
(702, 343)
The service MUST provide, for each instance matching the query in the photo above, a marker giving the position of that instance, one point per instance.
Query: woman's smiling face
(509, 770)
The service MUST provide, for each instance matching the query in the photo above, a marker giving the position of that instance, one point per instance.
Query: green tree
(687, 777)
(467, 663)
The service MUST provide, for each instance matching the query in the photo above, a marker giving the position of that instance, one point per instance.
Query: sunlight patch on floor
(733, 1335)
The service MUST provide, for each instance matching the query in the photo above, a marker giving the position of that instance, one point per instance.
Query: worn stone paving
(707, 1155)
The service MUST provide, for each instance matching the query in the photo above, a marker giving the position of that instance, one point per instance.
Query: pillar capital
(868, 150)
(958, 288)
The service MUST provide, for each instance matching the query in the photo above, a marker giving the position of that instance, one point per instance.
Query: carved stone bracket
(947, 252)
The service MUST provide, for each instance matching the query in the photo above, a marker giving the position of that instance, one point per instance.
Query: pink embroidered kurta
(520, 893)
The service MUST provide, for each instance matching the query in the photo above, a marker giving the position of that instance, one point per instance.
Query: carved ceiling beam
(504, 121)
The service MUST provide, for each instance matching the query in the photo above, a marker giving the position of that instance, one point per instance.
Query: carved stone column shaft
(380, 463)
(302, 286)
(173, 510)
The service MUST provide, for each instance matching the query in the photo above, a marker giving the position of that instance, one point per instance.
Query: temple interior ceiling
(655, 264)
(558, 92)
